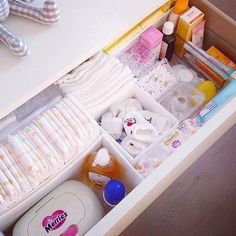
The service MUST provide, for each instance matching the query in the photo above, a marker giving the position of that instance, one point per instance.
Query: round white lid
(168, 28)
(185, 75)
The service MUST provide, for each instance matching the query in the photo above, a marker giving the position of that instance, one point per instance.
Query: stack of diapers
(133, 127)
(159, 79)
(95, 81)
(39, 150)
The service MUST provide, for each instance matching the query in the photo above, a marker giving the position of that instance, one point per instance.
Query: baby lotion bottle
(180, 7)
(168, 43)
(99, 168)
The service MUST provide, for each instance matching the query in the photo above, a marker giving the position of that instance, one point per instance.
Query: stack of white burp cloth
(40, 149)
(95, 81)
(134, 127)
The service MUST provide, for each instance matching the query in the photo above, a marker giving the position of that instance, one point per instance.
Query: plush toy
(48, 14)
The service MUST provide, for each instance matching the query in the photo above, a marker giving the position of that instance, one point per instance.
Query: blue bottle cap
(114, 191)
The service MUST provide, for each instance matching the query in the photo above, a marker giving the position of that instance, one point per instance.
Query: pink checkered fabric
(47, 15)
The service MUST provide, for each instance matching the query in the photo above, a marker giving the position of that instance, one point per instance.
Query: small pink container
(151, 38)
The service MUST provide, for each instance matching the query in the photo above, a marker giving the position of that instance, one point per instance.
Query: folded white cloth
(121, 109)
(113, 125)
(161, 123)
(138, 128)
(133, 146)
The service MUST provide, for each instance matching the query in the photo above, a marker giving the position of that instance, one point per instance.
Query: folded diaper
(22, 156)
(15, 170)
(52, 136)
(133, 146)
(43, 146)
(113, 125)
(63, 127)
(138, 128)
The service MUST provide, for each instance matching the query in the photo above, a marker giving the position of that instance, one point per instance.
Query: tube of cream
(213, 106)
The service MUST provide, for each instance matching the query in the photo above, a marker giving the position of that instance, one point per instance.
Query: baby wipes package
(69, 210)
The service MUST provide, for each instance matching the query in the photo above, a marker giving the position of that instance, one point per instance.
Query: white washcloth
(161, 123)
(121, 109)
(113, 125)
(138, 128)
(133, 146)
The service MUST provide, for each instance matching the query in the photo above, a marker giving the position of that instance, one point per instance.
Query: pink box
(151, 38)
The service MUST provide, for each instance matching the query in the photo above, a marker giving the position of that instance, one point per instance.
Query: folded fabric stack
(38, 151)
(96, 80)
(134, 128)
(158, 80)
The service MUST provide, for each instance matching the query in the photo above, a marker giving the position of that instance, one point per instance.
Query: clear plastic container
(183, 100)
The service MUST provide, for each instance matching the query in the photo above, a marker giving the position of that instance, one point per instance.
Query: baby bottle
(99, 168)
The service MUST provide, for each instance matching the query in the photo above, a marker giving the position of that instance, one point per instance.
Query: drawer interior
(140, 191)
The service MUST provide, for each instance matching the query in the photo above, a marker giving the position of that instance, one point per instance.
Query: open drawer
(145, 191)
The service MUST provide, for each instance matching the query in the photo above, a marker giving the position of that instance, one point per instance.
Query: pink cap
(151, 38)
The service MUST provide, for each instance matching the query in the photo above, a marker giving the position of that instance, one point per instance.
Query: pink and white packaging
(152, 39)
(70, 209)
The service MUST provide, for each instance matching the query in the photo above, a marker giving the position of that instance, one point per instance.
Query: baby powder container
(69, 210)
(99, 168)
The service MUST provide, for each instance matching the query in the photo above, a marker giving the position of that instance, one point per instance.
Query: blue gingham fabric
(4, 9)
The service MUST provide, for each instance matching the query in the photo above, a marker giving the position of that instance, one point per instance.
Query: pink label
(55, 221)
(71, 231)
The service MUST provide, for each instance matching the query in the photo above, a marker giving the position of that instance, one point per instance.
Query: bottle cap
(114, 191)
(168, 28)
(102, 158)
(180, 6)
(208, 89)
